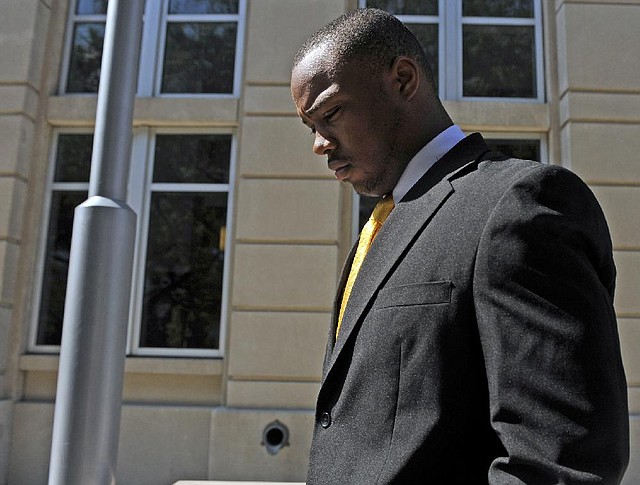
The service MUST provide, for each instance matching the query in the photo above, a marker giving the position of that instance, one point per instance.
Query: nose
(322, 145)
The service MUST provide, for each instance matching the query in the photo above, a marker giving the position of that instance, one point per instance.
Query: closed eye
(331, 113)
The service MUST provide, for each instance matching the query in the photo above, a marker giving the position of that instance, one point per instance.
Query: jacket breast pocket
(427, 293)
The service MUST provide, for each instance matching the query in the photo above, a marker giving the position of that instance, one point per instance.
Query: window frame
(452, 22)
(144, 178)
(51, 187)
(153, 45)
(139, 190)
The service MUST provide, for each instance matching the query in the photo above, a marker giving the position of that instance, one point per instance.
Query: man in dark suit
(476, 342)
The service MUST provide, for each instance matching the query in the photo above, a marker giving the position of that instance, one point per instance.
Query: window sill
(80, 110)
(136, 365)
(502, 116)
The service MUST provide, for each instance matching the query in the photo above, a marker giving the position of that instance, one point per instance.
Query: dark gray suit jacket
(479, 344)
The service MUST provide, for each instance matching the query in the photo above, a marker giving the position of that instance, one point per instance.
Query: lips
(340, 167)
(342, 172)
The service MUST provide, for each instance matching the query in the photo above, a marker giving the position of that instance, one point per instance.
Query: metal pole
(89, 394)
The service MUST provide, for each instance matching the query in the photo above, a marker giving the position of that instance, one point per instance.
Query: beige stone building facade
(268, 226)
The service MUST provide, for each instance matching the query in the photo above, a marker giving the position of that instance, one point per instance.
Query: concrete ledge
(135, 365)
(216, 482)
(80, 110)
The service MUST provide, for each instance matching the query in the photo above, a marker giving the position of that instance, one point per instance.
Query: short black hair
(370, 35)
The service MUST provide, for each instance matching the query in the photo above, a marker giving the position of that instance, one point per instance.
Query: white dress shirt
(426, 158)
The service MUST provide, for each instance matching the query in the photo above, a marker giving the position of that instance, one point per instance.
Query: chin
(367, 193)
(369, 189)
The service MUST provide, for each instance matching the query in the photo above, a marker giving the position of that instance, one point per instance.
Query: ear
(406, 77)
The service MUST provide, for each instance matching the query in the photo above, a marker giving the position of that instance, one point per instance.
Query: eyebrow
(320, 102)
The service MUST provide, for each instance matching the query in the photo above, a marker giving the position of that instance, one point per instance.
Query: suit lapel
(404, 223)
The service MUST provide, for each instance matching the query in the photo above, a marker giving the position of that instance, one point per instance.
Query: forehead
(318, 59)
(318, 76)
(312, 74)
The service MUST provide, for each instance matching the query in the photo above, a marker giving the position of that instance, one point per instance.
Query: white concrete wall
(23, 35)
(158, 444)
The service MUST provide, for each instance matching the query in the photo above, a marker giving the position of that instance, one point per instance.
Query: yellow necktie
(378, 216)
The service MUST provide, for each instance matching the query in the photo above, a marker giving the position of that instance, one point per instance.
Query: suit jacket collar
(401, 227)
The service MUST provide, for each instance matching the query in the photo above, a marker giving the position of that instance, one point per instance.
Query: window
(527, 149)
(86, 34)
(179, 279)
(364, 207)
(480, 49)
(185, 242)
(188, 47)
(179, 181)
(69, 189)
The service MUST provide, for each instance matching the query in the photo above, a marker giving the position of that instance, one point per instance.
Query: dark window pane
(91, 7)
(86, 56)
(427, 35)
(406, 7)
(366, 205)
(197, 159)
(203, 6)
(56, 266)
(498, 61)
(73, 158)
(199, 58)
(497, 8)
(183, 276)
(525, 149)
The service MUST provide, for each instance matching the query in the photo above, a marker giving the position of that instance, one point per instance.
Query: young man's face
(355, 118)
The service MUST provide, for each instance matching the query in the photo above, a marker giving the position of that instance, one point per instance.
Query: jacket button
(325, 420)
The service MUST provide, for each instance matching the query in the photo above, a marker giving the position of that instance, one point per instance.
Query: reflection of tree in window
(73, 163)
(406, 7)
(497, 8)
(86, 56)
(56, 266)
(525, 149)
(498, 61)
(199, 46)
(185, 244)
(192, 159)
(73, 158)
(203, 6)
(199, 58)
(184, 270)
(91, 7)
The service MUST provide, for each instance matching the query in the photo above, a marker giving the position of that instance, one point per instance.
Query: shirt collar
(426, 158)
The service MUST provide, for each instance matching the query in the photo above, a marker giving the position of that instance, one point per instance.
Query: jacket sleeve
(543, 292)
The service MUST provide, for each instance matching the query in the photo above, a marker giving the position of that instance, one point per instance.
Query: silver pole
(89, 395)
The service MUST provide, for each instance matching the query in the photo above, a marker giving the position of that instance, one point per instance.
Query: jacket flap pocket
(428, 293)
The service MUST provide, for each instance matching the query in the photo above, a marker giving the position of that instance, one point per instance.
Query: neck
(436, 120)
(428, 123)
